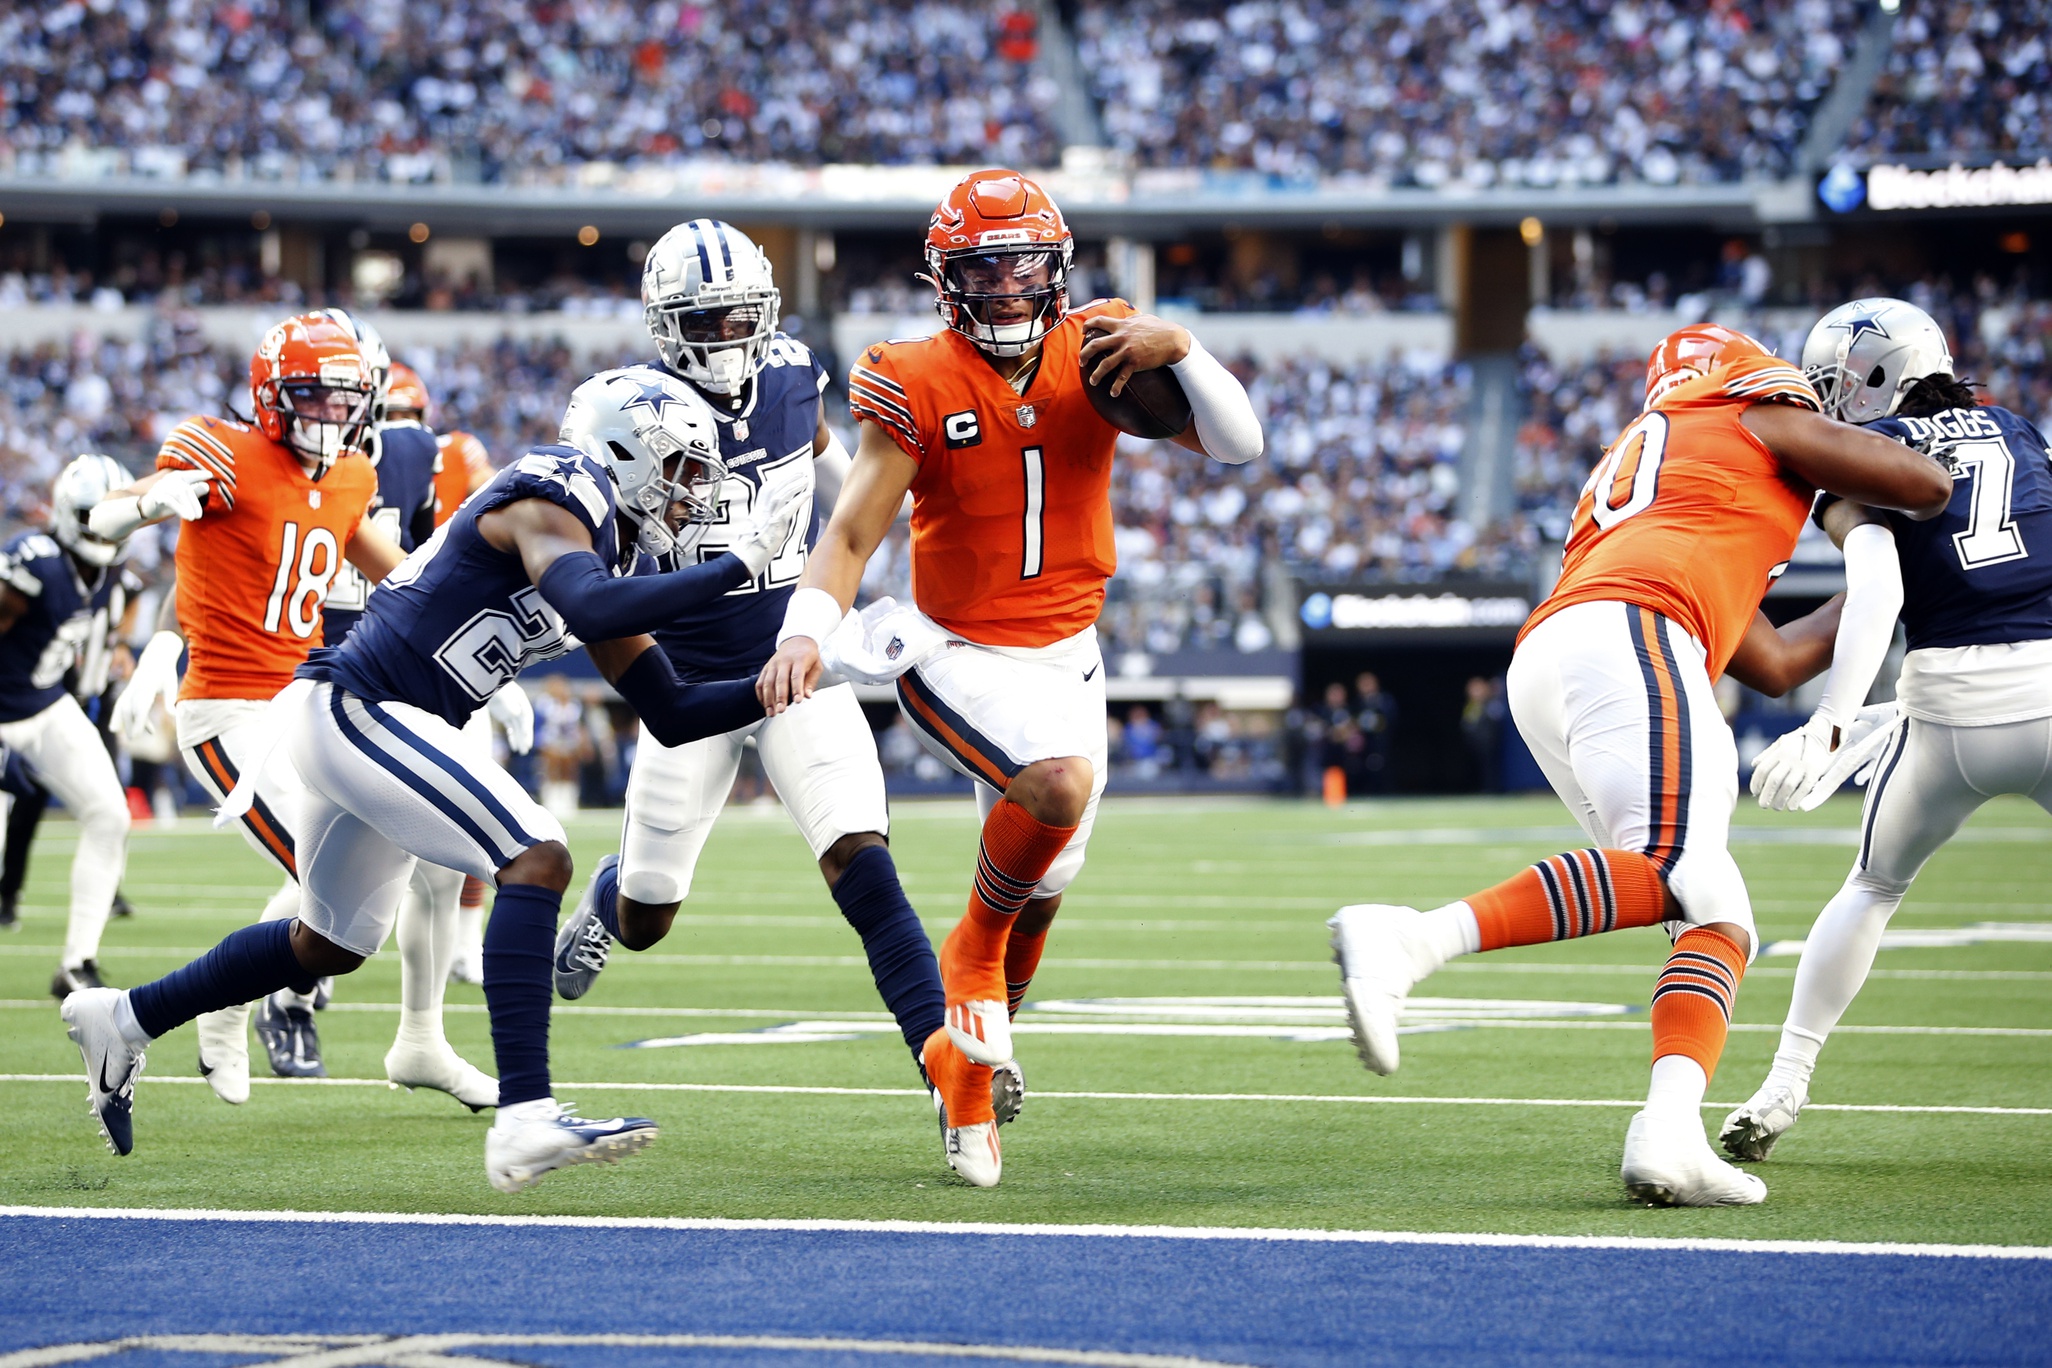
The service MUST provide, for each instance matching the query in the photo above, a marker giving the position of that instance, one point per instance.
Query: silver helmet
(658, 441)
(81, 484)
(710, 303)
(1862, 357)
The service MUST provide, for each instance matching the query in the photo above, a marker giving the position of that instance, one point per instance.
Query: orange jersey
(1011, 508)
(464, 467)
(1688, 513)
(253, 572)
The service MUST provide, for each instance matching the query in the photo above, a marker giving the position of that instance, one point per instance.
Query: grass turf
(1180, 898)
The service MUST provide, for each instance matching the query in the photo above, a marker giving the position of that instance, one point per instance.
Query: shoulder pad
(564, 476)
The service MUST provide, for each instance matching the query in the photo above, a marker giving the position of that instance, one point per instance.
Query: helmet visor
(311, 401)
(719, 327)
(1002, 275)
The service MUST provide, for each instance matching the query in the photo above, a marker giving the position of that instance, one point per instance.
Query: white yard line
(985, 1228)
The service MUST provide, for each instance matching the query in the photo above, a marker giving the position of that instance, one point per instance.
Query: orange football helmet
(1689, 353)
(312, 387)
(997, 255)
(405, 393)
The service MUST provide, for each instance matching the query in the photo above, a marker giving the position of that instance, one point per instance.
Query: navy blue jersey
(459, 617)
(45, 641)
(767, 441)
(403, 509)
(1980, 573)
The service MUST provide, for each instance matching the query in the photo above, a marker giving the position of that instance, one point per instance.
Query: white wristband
(811, 613)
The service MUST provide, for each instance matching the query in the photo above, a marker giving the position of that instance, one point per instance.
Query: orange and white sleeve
(1769, 380)
(876, 396)
(192, 447)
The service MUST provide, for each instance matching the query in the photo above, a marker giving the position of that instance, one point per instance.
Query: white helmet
(637, 421)
(87, 480)
(1863, 356)
(710, 303)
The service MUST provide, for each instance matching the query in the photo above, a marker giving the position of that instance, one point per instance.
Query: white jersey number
(304, 570)
(1991, 537)
(737, 499)
(495, 645)
(64, 648)
(1036, 510)
(1628, 476)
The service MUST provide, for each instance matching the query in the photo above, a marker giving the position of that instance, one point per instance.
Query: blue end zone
(72, 1280)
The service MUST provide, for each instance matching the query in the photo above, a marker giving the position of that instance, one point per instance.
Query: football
(1152, 406)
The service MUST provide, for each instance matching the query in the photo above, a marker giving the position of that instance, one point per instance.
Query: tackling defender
(1973, 587)
(54, 589)
(1693, 510)
(1009, 466)
(712, 309)
(530, 566)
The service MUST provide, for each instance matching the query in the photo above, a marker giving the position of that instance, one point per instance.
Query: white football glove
(1801, 769)
(1859, 751)
(183, 492)
(510, 708)
(767, 531)
(155, 677)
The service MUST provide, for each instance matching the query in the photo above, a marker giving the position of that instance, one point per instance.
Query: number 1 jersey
(1688, 513)
(254, 570)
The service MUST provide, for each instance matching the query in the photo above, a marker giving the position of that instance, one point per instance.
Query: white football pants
(71, 761)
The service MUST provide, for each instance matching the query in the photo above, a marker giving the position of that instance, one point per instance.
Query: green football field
(1184, 1044)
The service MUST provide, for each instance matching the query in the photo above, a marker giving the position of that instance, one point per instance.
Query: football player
(1973, 587)
(1008, 462)
(272, 510)
(1691, 513)
(712, 309)
(533, 564)
(55, 592)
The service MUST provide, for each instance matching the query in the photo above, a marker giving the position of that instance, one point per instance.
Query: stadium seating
(1962, 80)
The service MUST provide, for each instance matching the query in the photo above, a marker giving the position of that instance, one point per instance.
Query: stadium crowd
(1962, 80)
(506, 91)
(1432, 93)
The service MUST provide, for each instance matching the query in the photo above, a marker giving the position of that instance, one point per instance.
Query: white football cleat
(468, 966)
(112, 1065)
(224, 1052)
(1372, 944)
(982, 1030)
(973, 1152)
(1752, 1131)
(414, 1064)
(1668, 1162)
(519, 1151)
(1007, 1091)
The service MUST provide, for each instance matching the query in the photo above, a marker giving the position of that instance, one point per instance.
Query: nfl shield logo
(313, 498)
(1027, 417)
(895, 649)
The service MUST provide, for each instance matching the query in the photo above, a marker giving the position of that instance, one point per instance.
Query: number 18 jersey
(254, 570)
(1688, 513)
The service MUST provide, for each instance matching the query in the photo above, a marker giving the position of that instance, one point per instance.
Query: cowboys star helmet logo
(654, 398)
(1859, 325)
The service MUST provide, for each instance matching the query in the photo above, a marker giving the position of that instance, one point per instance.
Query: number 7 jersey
(254, 570)
(1688, 513)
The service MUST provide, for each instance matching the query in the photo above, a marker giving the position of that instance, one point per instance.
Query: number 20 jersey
(767, 443)
(459, 617)
(1980, 573)
(1688, 513)
(254, 570)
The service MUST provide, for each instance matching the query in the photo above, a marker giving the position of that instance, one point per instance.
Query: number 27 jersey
(254, 570)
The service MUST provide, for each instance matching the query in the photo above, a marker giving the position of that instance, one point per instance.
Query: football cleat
(1007, 1091)
(468, 966)
(76, 980)
(583, 943)
(122, 906)
(978, 1020)
(112, 1065)
(414, 1064)
(324, 992)
(982, 1030)
(969, 1129)
(1668, 1162)
(1751, 1132)
(290, 1038)
(224, 1052)
(1371, 943)
(518, 1152)
(10, 912)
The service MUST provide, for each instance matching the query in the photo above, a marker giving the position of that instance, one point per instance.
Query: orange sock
(1692, 999)
(964, 1087)
(473, 891)
(1022, 957)
(1016, 852)
(1576, 894)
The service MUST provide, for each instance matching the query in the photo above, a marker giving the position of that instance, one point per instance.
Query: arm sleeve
(875, 396)
(598, 607)
(1219, 406)
(1873, 597)
(676, 713)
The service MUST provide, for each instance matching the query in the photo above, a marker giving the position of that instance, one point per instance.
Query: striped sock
(1580, 893)
(1016, 852)
(1692, 999)
(1022, 957)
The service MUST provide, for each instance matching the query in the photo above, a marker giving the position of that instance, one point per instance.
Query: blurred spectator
(1962, 81)
(1144, 748)
(1375, 717)
(560, 737)
(1482, 720)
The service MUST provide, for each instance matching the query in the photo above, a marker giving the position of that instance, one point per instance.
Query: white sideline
(781, 1089)
(1650, 1244)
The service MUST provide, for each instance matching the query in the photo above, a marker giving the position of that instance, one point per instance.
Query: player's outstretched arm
(556, 551)
(870, 497)
(1774, 659)
(374, 554)
(159, 495)
(1223, 424)
(1851, 462)
(674, 713)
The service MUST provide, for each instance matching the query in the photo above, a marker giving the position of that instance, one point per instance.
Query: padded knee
(1710, 889)
(653, 887)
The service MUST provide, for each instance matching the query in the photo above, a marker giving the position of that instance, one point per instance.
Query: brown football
(1152, 406)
